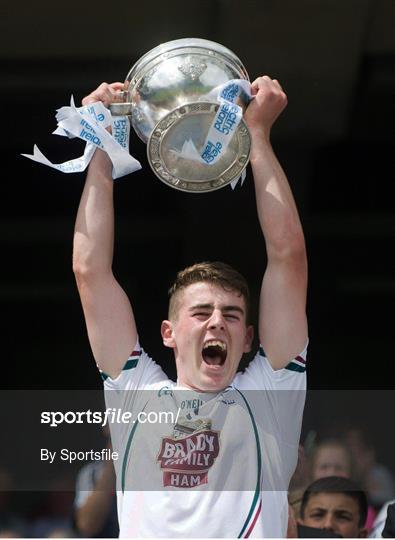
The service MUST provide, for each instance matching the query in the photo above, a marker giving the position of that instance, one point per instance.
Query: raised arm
(108, 313)
(282, 309)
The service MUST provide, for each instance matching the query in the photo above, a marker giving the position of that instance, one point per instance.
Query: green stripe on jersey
(127, 449)
(259, 460)
(295, 367)
(130, 364)
(292, 366)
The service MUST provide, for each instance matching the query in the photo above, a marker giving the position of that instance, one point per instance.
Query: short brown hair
(218, 273)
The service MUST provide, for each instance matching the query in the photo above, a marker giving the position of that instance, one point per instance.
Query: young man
(337, 505)
(224, 468)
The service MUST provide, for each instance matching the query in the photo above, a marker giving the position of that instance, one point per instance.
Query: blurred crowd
(339, 490)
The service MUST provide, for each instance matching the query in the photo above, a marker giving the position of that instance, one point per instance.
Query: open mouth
(214, 352)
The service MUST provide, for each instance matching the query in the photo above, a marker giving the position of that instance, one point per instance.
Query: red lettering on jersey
(185, 462)
(184, 480)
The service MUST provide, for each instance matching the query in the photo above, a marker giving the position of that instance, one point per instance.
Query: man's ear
(248, 339)
(166, 330)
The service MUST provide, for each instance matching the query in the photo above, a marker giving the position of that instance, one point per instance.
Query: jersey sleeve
(260, 375)
(278, 398)
(126, 396)
(138, 373)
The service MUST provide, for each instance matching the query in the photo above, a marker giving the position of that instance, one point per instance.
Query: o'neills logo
(185, 462)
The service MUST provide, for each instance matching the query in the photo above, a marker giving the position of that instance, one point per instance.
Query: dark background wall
(334, 58)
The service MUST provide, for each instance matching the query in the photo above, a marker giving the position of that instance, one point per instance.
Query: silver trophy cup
(169, 99)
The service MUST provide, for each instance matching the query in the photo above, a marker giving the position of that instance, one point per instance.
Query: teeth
(216, 343)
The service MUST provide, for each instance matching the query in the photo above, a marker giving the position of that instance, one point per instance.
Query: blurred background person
(335, 504)
(299, 482)
(12, 522)
(380, 521)
(389, 527)
(52, 510)
(375, 478)
(331, 457)
(95, 504)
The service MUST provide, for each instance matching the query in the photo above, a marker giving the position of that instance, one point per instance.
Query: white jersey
(220, 465)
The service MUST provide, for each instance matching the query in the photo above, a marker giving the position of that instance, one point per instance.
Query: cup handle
(121, 107)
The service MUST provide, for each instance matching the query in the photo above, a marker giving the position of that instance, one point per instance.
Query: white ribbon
(89, 124)
(224, 125)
